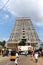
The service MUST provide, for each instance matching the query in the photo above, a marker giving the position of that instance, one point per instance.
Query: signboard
(24, 48)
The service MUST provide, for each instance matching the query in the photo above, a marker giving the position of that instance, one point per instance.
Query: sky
(11, 9)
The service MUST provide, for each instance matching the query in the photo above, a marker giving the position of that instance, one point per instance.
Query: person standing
(36, 57)
(16, 60)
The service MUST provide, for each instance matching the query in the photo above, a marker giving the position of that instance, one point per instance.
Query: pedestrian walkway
(27, 60)
(0, 56)
(23, 60)
(40, 62)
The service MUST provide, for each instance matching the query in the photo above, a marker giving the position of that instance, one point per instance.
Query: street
(23, 60)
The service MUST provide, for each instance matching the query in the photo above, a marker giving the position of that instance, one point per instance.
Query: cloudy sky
(11, 9)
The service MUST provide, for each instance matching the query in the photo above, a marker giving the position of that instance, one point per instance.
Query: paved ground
(27, 60)
(0, 56)
(40, 62)
(23, 60)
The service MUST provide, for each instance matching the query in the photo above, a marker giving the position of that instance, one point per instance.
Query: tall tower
(23, 30)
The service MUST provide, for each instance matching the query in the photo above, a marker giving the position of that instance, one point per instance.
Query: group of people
(35, 55)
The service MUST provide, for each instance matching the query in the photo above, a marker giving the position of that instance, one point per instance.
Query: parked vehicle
(13, 55)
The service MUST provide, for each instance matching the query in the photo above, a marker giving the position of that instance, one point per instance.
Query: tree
(22, 43)
(2, 43)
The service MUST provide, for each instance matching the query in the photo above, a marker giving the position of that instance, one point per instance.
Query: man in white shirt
(16, 60)
(36, 56)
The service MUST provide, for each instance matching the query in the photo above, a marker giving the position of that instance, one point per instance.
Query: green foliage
(2, 43)
(22, 43)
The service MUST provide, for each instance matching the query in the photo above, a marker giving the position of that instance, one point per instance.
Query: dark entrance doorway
(24, 40)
